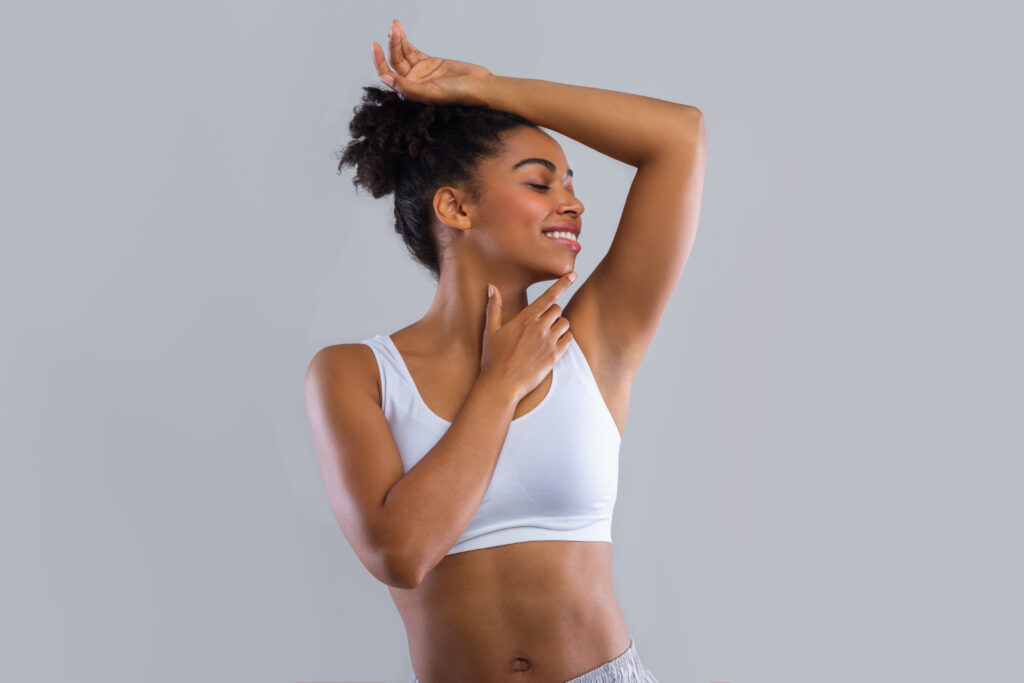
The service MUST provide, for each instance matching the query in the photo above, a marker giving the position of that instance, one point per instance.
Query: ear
(451, 206)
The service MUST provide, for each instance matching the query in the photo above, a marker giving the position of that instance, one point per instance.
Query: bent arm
(400, 524)
(432, 505)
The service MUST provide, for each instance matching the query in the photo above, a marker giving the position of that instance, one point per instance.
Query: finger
(551, 315)
(395, 53)
(559, 327)
(385, 74)
(378, 59)
(492, 315)
(409, 53)
(551, 294)
(564, 341)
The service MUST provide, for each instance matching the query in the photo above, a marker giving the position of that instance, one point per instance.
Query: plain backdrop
(820, 477)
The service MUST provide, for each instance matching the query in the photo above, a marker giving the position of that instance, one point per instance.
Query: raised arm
(617, 309)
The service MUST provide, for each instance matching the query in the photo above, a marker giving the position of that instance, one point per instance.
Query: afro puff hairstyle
(411, 149)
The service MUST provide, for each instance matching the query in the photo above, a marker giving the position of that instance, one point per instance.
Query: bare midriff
(542, 611)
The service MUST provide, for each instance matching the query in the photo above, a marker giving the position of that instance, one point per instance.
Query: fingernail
(572, 277)
(490, 291)
(388, 80)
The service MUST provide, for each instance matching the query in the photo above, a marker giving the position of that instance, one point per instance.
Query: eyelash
(544, 187)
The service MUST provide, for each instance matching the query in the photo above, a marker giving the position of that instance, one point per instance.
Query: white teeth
(566, 235)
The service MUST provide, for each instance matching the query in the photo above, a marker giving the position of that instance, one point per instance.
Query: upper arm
(358, 458)
(621, 303)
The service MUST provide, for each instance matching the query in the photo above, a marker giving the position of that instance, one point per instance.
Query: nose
(573, 204)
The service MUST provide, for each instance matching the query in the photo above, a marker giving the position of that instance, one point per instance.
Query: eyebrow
(543, 162)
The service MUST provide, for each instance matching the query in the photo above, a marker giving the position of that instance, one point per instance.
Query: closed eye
(545, 187)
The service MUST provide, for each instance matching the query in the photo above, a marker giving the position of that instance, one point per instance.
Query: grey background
(820, 477)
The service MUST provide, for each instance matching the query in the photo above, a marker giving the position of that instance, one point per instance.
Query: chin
(562, 270)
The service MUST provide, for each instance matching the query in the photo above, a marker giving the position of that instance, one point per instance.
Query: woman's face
(527, 190)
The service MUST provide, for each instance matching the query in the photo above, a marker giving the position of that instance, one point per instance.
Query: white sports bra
(557, 474)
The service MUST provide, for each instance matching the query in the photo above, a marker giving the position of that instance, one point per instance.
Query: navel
(520, 664)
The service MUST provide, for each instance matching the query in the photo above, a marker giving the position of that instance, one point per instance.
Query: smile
(565, 237)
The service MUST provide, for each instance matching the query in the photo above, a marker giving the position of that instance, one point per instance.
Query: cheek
(517, 196)
(530, 207)
(516, 216)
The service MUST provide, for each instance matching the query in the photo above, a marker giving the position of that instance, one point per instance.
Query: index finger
(551, 294)
(382, 64)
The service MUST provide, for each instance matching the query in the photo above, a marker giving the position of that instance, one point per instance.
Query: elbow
(400, 556)
(681, 135)
(694, 122)
(388, 562)
(397, 555)
(691, 133)
(401, 571)
(691, 113)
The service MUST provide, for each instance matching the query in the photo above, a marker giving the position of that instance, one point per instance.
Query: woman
(471, 457)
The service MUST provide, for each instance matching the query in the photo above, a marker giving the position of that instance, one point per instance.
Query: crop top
(556, 478)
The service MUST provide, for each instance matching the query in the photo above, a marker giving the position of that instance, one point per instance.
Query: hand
(523, 351)
(418, 76)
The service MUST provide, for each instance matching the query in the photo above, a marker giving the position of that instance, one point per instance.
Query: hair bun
(409, 149)
(387, 131)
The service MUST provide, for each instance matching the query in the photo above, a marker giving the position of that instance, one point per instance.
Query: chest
(443, 388)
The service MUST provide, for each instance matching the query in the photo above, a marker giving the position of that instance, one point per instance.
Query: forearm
(431, 506)
(629, 128)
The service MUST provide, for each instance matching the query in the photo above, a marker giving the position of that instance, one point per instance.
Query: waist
(548, 607)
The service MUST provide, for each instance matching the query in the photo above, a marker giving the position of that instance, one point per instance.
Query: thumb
(493, 312)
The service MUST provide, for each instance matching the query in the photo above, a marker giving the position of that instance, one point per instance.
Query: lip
(572, 245)
(567, 227)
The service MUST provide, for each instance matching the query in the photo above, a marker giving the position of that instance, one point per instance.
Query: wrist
(499, 390)
(482, 93)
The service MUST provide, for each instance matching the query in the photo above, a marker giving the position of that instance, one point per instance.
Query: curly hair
(411, 149)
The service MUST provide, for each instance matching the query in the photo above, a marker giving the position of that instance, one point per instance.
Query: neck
(457, 314)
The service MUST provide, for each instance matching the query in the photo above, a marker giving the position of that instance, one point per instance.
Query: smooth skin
(542, 610)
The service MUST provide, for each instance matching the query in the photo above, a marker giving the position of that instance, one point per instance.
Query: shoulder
(345, 367)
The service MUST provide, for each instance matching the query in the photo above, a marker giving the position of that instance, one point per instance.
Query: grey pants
(626, 668)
